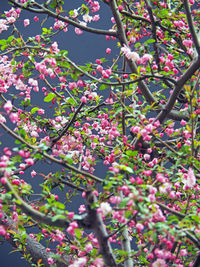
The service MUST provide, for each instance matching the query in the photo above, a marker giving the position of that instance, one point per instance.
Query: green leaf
(124, 201)
(33, 110)
(103, 87)
(10, 38)
(22, 133)
(126, 168)
(150, 41)
(71, 101)
(131, 153)
(17, 201)
(59, 205)
(3, 47)
(49, 97)
(78, 233)
(3, 42)
(68, 158)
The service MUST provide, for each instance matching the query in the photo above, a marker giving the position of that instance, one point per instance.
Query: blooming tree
(134, 116)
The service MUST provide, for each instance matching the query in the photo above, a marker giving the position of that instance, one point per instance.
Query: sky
(82, 49)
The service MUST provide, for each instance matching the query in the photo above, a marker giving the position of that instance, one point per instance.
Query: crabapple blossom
(33, 173)
(8, 106)
(108, 50)
(29, 161)
(13, 117)
(50, 261)
(105, 208)
(79, 262)
(130, 55)
(78, 31)
(189, 179)
(159, 263)
(113, 134)
(2, 230)
(26, 22)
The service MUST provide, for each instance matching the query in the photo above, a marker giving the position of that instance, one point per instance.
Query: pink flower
(189, 179)
(36, 18)
(190, 51)
(2, 230)
(33, 173)
(139, 227)
(96, 18)
(144, 59)
(3, 180)
(72, 85)
(188, 43)
(29, 161)
(166, 68)
(71, 227)
(13, 117)
(78, 31)
(159, 263)
(8, 106)
(26, 22)
(183, 122)
(160, 177)
(81, 262)
(82, 209)
(55, 47)
(147, 172)
(50, 261)
(98, 262)
(88, 247)
(16, 182)
(83, 99)
(108, 51)
(70, 215)
(130, 55)
(40, 111)
(146, 156)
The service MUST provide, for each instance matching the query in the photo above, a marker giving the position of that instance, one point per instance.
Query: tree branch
(123, 41)
(32, 248)
(61, 162)
(154, 35)
(43, 10)
(180, 83)
(35, 215)
(100, 231)
(191, 26)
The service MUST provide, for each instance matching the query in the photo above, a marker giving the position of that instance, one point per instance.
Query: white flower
(79, 263)
(105, 208)
(87, 18)
(130, 55)
(3, 26)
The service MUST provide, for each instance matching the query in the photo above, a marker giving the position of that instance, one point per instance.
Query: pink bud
(108, 51)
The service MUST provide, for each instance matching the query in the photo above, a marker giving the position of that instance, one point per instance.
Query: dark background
(82, 49)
